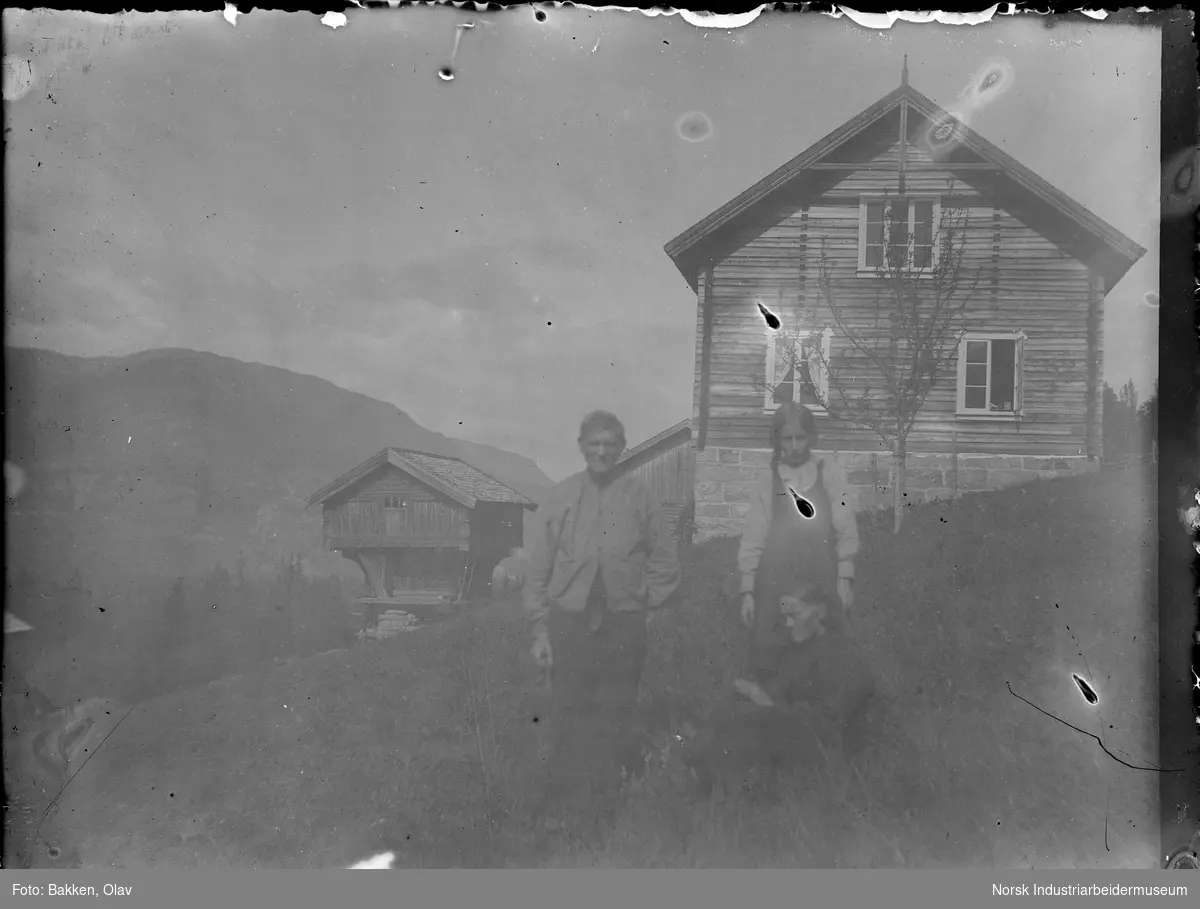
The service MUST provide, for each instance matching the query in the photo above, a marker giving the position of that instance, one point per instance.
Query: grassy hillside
(171, 461)
(427, 744)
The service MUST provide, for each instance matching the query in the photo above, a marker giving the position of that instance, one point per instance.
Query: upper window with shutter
(900, 233)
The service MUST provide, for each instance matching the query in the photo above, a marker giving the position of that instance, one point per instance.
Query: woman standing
(797, 565)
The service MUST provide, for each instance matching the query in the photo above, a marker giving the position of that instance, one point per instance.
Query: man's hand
(542, 655)
(845, 588)
(748, 609)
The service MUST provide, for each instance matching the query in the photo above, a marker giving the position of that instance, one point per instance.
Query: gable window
(796, 368)
(989, 374)
(898, 233)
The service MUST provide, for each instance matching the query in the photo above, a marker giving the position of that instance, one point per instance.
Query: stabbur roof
(452, 477)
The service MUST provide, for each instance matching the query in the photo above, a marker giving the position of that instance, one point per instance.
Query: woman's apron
(829, 672)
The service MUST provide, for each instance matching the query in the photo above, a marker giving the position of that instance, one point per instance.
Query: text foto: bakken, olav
(70, 890)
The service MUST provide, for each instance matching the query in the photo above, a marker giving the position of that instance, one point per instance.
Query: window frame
(821, 382)
(865, 270)
(967, 413)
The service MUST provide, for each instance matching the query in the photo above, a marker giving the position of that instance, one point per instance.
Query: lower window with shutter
(989, 374)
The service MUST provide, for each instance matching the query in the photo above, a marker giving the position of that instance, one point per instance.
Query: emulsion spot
(770, 317)
(804, 506)
(1182, 181)
(694, 126)
(1085, 689)
(19, 77)
(446, 74)
(539, 15)
(1179, 195)
(944, 133)
(989, 82)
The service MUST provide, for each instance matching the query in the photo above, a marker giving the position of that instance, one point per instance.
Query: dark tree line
(1130, 427)
(161, 636)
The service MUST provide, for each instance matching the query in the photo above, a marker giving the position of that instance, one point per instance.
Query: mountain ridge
(176, 459)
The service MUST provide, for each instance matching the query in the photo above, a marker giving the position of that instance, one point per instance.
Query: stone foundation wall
(725, 476)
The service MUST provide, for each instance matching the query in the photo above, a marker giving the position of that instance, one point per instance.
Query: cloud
(525, 279)
(529, 395)
(24, 220)
(90, 311)
(487, 292)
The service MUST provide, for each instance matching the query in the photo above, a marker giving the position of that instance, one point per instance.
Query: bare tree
(894, 347)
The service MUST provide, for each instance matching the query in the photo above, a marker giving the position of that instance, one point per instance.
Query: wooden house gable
(831, 206)
(1028, 364)
(905, 144)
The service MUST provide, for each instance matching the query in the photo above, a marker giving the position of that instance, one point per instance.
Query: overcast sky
(486, 252)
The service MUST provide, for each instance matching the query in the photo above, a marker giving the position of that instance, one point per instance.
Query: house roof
(670, 432)
(452, 477)
(1099, 244)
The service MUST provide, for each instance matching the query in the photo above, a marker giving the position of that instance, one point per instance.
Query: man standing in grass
(600, 558)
